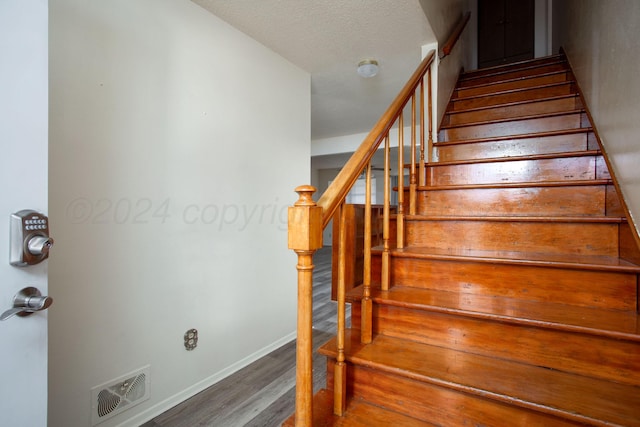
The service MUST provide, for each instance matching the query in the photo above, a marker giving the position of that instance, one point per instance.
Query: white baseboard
(178, 398)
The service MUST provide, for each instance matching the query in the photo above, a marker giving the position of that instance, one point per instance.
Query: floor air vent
(118, 395)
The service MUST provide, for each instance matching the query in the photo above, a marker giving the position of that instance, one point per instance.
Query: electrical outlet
(191, 339)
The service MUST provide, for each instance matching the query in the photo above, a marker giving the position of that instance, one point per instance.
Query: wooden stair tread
(509, 104)
(584, 153)
(515, 185)
(508, 91)
(512, 109)
(508, 137)
(358, 414)
(547, 219)
(570, 396)
(537, 62)
(616, 324)
(512, 73)
(514, 119)
(572, 261)
(514, 79)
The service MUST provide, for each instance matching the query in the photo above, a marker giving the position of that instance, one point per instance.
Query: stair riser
(512, 128)
(519, 171)
(528, 201)
(514, 84)
(516, 74)
(527, 94)
(596, 239)
(436, 404)
(513, 111)
(606, 290)
(516, 147)
(592, 356)
(528, 65)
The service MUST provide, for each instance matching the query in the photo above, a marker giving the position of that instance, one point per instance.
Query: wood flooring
(263, 393)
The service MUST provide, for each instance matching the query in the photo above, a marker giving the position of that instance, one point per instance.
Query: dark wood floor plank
(276, 413)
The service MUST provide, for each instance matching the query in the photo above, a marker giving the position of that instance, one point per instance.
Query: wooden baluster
(422, 172)
(366, 327)
(340, 368)
(305, 237)
(400, 215)
(385, 221)
(430, 110)
(412, 175)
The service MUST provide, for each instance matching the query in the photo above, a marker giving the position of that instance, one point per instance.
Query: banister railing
(308, 219)
(447, 47)
(344, 181)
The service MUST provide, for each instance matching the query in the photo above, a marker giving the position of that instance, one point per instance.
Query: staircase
(514, 301)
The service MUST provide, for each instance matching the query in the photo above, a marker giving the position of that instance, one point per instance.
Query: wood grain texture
(444, 406)
(595, 238)
(560, 142)
(523, 126)
(513, 95)
(584, 200)
(517, 83)
(512, 73)
(545, 390)
(503, 328)
(531, 64)
(354, 262)
(558, 316)
(544, 283)
(578, 168)
(513, 110)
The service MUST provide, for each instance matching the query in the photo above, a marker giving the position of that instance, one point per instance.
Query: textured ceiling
(328, 38)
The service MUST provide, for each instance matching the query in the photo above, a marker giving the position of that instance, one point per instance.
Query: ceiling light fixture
(368, 68)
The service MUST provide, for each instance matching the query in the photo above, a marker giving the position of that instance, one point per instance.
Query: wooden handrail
(307, 220)
(344, 181)
(455, 35)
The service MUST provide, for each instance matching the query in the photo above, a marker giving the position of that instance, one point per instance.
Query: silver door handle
(39, 245)
(26, 302)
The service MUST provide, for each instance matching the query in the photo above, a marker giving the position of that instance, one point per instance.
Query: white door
(23, 185)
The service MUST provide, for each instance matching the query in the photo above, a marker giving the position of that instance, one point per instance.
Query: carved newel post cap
(306, 195)
(305, 221)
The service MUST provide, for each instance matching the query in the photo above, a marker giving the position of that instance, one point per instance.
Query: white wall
(443, 16)
(175, 146)
(601, 44)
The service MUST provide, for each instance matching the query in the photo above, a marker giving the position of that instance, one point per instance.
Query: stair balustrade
(307, 219)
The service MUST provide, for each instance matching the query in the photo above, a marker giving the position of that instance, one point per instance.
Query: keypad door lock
(30, 241)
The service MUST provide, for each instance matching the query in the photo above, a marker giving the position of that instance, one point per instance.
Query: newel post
(305, 237)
